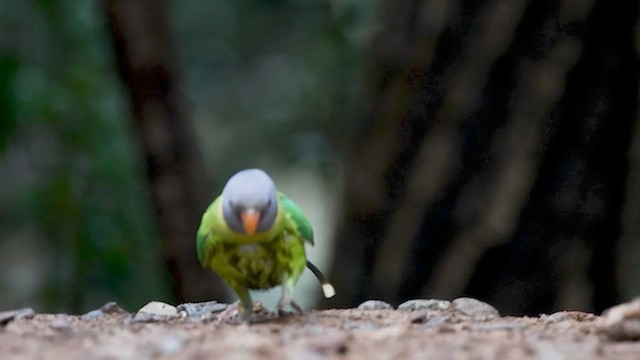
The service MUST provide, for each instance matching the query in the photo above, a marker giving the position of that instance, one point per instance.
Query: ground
(421, 329)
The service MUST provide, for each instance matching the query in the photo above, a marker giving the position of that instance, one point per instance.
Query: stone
(159, 308)
(560, 316)
(375, 305)
(475, 308)
(93, 315)
(154, 311)
(418, 316)
(438, 320)
(61, 323)
(112, 307)
(201, 310)
(622, 322)
(8, 316)
(424, 304)
(106, 309)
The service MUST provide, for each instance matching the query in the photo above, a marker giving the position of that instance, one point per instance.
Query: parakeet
(253, 236)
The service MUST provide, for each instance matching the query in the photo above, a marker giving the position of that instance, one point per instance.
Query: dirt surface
(423, 329)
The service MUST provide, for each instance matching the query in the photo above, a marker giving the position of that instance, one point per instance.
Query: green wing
(205, 238)
(291, 208)
(201, 243)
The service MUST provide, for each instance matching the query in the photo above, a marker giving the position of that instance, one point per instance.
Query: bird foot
(288, 301)
(243, 311)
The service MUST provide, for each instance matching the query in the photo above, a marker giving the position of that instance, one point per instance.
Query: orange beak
(250, 220)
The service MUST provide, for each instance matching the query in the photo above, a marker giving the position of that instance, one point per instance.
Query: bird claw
(284, 313)
(242, 310)
(297, 307)
(287, 300)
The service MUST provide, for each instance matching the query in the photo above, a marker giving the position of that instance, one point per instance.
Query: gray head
(249, 202)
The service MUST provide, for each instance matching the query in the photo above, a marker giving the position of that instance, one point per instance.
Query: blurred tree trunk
(492, 160)
(175, 170)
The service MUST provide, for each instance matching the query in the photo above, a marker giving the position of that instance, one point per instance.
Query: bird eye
(234, 208)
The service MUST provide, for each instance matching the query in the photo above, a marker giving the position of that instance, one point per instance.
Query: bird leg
(287, 300)
(245, 301)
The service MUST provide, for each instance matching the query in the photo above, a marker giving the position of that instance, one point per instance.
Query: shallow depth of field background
(440, 148)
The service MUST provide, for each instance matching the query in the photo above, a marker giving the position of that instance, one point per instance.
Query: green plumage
(254, 237)
(258, 261)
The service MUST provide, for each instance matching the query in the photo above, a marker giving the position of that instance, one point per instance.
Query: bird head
(249, 202)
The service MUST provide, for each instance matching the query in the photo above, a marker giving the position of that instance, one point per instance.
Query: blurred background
(441, 148)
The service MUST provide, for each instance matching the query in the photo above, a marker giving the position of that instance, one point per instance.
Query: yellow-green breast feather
(258, 261)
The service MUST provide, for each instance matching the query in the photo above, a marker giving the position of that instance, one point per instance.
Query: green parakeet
(253, 236)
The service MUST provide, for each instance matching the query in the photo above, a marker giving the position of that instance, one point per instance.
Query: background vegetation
(265, 83)
(442, 148)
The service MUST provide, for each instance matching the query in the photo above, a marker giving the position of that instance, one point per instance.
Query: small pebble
(202, 309)
(106, 309)
(143, 318)
(7, 316)
(569, 315)
(438, 320)
(112, 307)
(61, 323)
(375, 305)
(424, 304)
(93, 315)
(418, 317)
(622, 322)
(475, 308)
(154, 311)
(160, 309)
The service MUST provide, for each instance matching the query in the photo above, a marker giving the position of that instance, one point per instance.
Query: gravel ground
(419, 329)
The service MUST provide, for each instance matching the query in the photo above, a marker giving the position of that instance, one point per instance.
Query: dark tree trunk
(175, 170)
(493, 159)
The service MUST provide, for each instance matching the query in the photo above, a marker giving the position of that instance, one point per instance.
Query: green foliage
(81, 202)
(268, 80)
(10, 67)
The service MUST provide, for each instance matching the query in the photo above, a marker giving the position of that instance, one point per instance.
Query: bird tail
(327, 288)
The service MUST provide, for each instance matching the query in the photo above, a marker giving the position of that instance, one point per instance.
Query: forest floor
(419, 329)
